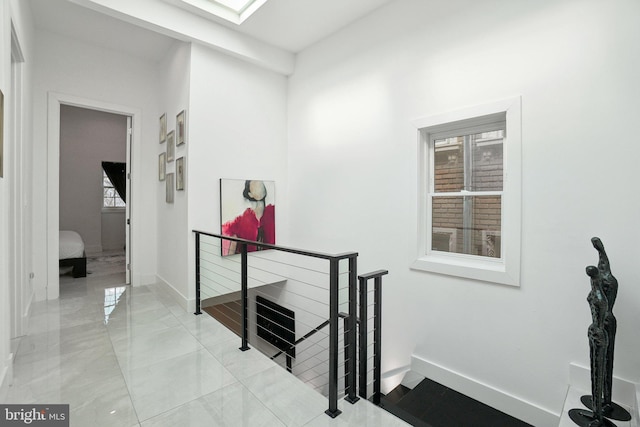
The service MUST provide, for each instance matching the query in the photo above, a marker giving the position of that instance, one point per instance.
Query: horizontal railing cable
(295, 281)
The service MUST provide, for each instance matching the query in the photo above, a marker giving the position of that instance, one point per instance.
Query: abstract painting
(247, 211)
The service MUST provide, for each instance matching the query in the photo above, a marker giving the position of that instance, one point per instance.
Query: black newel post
(362, 339)
(198, 275)
(377, 333)
(350, 334)
(377, 339)
(245, 309)
(333, 410)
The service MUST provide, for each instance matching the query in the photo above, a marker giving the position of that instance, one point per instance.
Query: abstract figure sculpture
(610, 289)
(598, 343)
(602, 333)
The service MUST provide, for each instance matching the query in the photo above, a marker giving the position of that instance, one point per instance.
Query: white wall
(113, 230)
(15, 294)
(352, 162)
(237, 129)
(5, 51)
(172, 232)
(87, 138)
(72, 67)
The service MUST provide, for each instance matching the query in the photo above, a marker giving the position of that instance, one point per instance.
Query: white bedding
(71, 245)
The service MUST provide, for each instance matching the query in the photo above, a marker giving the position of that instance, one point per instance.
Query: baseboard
(6, 378)
(93, 250)
(624, 392)
(189, 305)
(502, 401)
(636, 413)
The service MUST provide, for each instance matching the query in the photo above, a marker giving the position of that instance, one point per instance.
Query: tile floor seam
(234, 382)
(135, 411)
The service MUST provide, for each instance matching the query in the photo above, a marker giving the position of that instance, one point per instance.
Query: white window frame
(504, 270)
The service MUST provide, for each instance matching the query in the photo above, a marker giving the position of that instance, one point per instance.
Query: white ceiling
(291, 25)
(62, 17)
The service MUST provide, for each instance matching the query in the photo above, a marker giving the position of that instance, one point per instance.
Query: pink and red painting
(247, 211)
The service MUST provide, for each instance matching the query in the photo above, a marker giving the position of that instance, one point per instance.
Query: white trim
(218, 9)
(624, 391)
(114, 210)
(507, 269)
(189, 305)
(6, 378)
(53, 171)
(487, 394)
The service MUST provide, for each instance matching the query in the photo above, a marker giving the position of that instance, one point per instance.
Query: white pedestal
(572, 401)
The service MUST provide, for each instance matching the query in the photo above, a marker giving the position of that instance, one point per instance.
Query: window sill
(113, 210)
(485, 270)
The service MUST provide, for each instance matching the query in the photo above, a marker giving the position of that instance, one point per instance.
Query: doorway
(93, 197)
(56, 103)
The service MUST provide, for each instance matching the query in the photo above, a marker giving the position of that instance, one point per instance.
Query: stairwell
(430, 404)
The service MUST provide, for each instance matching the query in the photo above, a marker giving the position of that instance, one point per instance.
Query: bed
(72, 253)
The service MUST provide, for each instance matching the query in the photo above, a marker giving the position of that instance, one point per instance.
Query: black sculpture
(598, 344)
(610, 288)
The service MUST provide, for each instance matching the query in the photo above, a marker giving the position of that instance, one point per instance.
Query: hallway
(123, 356)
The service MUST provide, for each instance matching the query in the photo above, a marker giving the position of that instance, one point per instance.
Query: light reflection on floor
(111, 298)
(133, 356)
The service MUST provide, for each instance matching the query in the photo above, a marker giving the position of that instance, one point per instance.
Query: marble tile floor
(123, 356)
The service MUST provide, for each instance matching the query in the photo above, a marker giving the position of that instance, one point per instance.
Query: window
(470, 193)
(110, 197)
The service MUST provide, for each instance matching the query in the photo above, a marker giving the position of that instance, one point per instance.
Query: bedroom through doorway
(93, 195)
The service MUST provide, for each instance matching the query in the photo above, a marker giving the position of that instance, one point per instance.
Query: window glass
(110, 197)
(474, 219)
(471, 165)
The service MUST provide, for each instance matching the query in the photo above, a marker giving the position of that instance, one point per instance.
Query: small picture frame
(162, 166)
(170, 190)
(180, 174)
(163, 128)
(180, 128)
(171, 147)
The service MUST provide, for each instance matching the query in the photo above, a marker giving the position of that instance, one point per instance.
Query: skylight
(235, 11)
(237, 6)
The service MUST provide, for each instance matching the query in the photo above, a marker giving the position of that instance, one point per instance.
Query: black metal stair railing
(346, 296)
(292, 346)
(363, 334)
(211, 270)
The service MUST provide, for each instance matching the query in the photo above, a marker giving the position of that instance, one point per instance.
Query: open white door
(127, 215)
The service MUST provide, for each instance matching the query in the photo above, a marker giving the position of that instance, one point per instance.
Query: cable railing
(300, 308)
(370, 335)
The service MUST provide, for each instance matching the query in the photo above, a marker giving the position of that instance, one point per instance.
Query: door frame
(55, 100)
(20, 287)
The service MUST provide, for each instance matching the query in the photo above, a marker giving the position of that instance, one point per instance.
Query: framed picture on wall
(180, 174)
(247, 211)
(162, 166)
(163, 128)
(180, 128)
(170, 190)
(171, 147)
